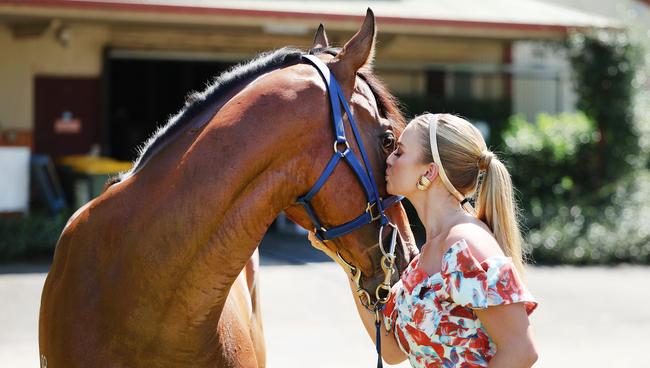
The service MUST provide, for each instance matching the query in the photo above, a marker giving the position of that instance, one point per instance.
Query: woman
(461, 302)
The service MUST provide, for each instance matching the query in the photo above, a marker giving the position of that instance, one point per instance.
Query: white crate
(14, 179)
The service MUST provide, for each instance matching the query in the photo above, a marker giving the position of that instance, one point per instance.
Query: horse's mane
(196, 102)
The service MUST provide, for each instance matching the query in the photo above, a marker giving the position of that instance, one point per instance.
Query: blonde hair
(463, 153)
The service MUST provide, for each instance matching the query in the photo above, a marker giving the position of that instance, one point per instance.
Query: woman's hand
(320, 245)
(330, 253)
(315, 242)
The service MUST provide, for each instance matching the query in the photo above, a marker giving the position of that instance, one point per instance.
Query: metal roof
(450, 15)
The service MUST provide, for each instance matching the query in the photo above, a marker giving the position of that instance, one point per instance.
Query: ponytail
(496, 207)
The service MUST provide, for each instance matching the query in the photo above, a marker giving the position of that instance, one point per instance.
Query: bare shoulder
(479, 239)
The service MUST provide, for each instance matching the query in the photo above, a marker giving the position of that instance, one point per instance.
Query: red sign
(67, 126)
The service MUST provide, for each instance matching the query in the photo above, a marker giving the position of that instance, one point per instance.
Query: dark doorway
(144, 94)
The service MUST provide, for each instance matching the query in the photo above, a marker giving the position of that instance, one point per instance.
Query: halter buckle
(369, 210)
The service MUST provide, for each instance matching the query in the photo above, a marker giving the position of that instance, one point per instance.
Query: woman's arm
(390, 351)
(510, 330)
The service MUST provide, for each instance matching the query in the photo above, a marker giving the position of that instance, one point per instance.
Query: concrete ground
(588, 317)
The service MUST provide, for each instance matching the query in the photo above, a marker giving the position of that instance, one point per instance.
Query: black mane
(196, 102)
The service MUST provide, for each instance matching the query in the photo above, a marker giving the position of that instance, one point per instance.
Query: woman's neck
(439, 211)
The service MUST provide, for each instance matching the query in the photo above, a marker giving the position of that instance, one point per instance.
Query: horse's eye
(389, 142)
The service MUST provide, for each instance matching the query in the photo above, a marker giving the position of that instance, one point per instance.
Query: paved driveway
(588, 317)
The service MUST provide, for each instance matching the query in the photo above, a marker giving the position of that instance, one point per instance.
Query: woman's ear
(432, 171)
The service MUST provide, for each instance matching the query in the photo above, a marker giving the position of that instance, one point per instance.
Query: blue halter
(375, 205)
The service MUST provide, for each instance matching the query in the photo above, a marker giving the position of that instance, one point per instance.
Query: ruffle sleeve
(479, 285)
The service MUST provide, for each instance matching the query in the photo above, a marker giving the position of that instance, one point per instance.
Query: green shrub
(570, 218)
(31, 237)
(605, 65)
(550, 162)
(613, 232)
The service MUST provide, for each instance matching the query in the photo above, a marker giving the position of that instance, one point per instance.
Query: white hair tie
(464, 202)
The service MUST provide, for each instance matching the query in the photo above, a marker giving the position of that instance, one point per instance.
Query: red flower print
(481, 342)
(472, 360)
(411, 279)
(390, 306)
(418, 314)
(447, 328)
(421, 338)
(402, 340)
(460, 311)
(469, 265)
(508, 285)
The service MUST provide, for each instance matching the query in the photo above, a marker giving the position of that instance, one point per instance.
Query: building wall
(541, 81)
(401, 60)
(24, 58)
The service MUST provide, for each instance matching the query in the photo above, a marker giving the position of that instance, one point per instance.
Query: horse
(160, 269)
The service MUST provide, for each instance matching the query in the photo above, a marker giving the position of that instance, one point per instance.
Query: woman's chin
(389, 189)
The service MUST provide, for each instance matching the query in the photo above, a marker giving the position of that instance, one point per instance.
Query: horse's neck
(212, 205)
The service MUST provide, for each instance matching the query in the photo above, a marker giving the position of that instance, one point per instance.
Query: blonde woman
(461, 302)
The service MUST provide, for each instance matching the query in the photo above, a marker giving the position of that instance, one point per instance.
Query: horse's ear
(358, 52)
(320, 39)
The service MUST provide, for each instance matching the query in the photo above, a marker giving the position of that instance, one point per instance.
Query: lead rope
(388, 270)
(380, 364)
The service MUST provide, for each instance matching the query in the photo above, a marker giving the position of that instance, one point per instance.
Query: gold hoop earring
(423, 183)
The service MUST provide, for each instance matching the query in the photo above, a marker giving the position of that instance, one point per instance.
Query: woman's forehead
(408, 135)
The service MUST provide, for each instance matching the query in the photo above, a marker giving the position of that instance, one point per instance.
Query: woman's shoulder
(479, 239)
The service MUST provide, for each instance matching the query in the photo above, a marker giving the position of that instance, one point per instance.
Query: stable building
(99, 76)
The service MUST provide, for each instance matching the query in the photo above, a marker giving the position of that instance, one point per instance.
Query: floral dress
(432, 317)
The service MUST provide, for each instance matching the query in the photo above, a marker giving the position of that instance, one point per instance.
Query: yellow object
(95, 165)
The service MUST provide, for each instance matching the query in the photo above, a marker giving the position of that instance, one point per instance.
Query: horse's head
(380, 124)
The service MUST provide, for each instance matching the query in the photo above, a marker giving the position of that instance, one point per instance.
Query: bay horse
(160, 269)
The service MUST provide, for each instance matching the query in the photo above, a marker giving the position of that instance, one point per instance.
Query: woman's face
(404, 166)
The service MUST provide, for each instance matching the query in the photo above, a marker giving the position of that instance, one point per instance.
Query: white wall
(541, 80)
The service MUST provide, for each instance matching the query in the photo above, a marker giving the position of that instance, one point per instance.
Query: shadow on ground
(286, 249)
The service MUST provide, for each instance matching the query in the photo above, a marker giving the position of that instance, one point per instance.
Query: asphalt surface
(588, 316)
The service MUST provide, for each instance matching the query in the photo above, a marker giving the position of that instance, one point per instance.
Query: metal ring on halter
(356, 272)
(336, 144)
(382, 292)
(387, 263)
(393, 239)
(363, 294)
